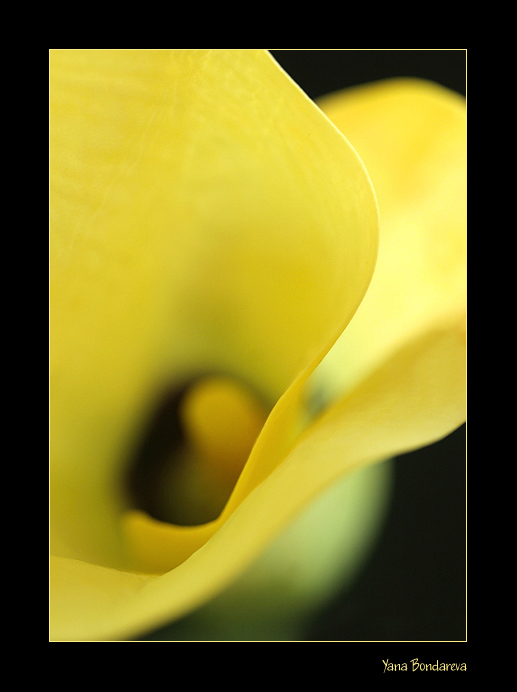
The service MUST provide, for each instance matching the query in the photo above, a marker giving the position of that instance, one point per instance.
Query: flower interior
(194, 450)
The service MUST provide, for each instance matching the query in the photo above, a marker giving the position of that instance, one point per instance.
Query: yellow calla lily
(212, 235)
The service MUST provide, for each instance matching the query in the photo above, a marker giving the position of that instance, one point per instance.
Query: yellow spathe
(207, 217)
(181, 183)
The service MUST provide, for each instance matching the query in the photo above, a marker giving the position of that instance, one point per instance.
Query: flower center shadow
(194, 450)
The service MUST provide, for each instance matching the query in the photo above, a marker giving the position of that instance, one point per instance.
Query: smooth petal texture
(411, 134)
(205, 217)
(304, 566)
(102, 590)
(315, 557)
(405, 404)
(406, 391)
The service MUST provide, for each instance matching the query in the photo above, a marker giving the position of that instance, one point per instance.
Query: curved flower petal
(313, 561)
(399, 398)
(205, 217)
(411, 135)
(409, 401)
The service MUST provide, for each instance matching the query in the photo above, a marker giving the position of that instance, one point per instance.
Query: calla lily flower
(232, 329)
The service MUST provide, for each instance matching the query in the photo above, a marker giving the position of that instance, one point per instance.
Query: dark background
(414, 586)
(319, 72)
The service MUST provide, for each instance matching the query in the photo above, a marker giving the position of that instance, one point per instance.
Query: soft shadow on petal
(205, 217)
(414, 398)
(407, 391)
(82, 595)
(314, 557)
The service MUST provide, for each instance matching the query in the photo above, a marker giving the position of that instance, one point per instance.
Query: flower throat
(194, 451)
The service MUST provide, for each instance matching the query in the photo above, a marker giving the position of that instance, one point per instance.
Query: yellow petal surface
(205, 218)
(411, 400)
(411, 327)
(411, 134)
(407, 391)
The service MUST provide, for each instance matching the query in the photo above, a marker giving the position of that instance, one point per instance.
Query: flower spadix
(195, 451)
(223, 421)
